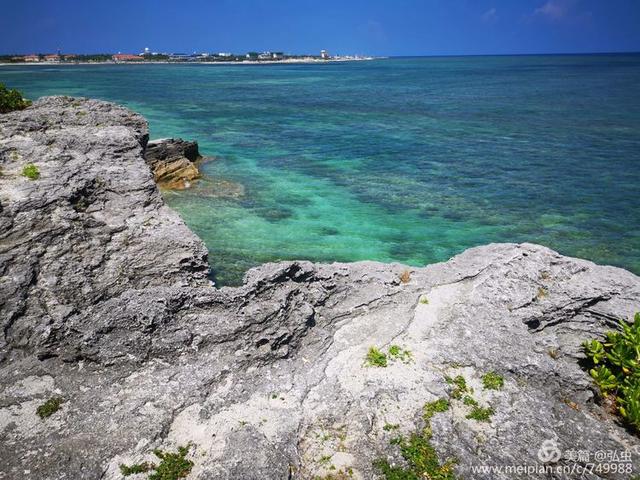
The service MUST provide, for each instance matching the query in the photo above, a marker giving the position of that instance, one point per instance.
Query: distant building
(324, 54)
(31, 58)
(277, 55)
(225, 55)
(126, 57)
(252, 55)
(179, 56)
(52, 58)
(265, 56)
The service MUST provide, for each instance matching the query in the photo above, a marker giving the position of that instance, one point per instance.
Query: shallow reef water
(406, 159)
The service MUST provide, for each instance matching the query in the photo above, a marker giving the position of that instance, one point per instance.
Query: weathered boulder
(173, 162)
(105, 303)
(90, 228)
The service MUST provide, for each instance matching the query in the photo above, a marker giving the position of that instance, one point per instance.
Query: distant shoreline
(162, 62)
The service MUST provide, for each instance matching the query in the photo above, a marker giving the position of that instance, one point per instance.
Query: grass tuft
(144, 467)
(460, 385)
(398, 353)
(421, 458)
(49, 407)
(375, 358)
(469, 401)
(172, 466)
(492, 381)
(480, 414)
(31, 171)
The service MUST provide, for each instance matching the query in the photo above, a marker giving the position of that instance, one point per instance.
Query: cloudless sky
(375, 27)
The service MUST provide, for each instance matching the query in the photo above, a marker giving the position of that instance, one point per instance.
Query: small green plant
(469, 401)
(31, 171)
(492, 381)
(423, 300)
(462, 391)
(431, 408)
(375, 358)
(616, 369)
(460, 386)
(480, 414)
(11, 100)
(398, 353)
(420, 456)
(49, 407)
(144, 467)
(595, 351)
(390, 426)
(172, 466)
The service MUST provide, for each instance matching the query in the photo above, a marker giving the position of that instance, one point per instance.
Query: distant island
(156, 57)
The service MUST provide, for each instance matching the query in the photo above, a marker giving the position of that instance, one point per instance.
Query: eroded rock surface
(108, 306)
(173, 162)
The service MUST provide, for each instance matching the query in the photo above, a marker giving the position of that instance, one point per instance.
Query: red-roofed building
(52, 58)
(125, 57)
(31, 58)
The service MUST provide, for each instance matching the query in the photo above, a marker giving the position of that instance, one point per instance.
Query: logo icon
(549, 452)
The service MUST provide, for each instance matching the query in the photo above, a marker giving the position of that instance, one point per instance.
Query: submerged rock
(105, 304)
(173, 162)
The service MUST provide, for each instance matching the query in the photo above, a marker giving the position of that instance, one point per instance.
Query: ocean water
(409, 159)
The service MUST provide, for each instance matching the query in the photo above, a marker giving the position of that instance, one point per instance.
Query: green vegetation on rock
(420, 456)
(11, 100)
(398, 353)
(460, 386)
(492, 381)
(469, 401)
(49, 407)
(143, 467)
(375, 358)
(461, 391)
(480, 414)
(173, 465)
(31, 171)
(616, 369)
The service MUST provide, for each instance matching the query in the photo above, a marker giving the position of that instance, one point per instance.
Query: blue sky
(377, 27)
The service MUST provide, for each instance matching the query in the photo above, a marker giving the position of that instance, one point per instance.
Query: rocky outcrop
(105, 303)
(173, 162)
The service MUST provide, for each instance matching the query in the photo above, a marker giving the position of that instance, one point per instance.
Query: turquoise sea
(407, 159)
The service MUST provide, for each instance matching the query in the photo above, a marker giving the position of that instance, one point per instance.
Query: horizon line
(616, 52)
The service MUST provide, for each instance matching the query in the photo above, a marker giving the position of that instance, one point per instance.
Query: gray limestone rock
(105, 302)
